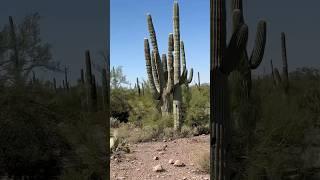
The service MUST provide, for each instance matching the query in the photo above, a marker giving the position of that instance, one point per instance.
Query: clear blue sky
(73, 26)
(297, 19)
(129, 28)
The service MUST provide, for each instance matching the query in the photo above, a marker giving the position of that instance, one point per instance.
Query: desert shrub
(169, 132)
(281, 129)
(186, 131)
(204, 161)
(114, 122)
(203, 129)
(198, 112)
(120, 107)
(31, 143)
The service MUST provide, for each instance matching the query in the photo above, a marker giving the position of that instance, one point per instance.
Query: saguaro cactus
(138, 87)
(198, 84)
(223, 60)
(284, 81)
(66, 78)
(285, 62)
(164, 75)
(54, 84)
(247, 64)
(13, 39)
(82, 77)
(90, 86)
(142, 87)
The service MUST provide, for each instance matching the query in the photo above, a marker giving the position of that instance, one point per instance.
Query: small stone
(178, 163)
(184, 178)
(158, 168)
(161, 152)
(191, 164)
(157, 176)
(164, 140)
(171, 161)
(155, 158)
(138, 169)
(121, 178)
(170, 139)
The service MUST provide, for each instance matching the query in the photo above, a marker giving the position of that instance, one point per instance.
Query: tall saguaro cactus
(164, 74)
(284, 62)
(138, 87)
(223, 60)
(90, 85)
(284, 80)
(66, 78)
(54, 84)
(82, 76)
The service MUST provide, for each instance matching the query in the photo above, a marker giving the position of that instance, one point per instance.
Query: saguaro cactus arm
(260, 43)
(149, 63)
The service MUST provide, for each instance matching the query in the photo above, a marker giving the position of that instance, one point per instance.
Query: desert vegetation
(49, 129)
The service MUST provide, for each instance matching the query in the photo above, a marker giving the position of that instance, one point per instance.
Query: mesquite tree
(164, 74)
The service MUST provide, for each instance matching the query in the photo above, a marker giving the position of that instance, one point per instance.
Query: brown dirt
(138, 164)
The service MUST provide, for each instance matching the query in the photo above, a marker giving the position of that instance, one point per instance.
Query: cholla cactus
(164, 74)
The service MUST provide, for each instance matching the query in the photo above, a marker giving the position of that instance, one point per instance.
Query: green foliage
(198, 111)
(29, 51)
(279, 135)
(117, 78)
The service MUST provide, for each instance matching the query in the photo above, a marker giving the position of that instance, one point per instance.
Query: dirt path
(138, 165)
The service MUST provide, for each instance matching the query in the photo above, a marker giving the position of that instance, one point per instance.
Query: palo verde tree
(22, 50)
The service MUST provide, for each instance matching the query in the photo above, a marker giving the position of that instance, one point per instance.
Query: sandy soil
(139, 163)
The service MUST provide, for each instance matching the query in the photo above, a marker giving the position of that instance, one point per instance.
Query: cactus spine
(164, 74)
(223, 60)
(90, 86)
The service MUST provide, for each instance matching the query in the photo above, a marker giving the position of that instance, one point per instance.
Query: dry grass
(204, 161)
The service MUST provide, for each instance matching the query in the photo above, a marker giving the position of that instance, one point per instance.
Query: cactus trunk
(166, 105)
(16, 64)
(66, 78)
(90, 86)
(54, 84)
(82, 77)
(285, 62)
(223, 60)
(138, 87)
